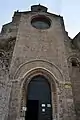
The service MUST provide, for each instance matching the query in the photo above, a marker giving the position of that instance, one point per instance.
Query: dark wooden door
(39, 99)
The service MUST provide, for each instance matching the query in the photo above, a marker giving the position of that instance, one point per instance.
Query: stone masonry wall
(23, 48)
(33, 44)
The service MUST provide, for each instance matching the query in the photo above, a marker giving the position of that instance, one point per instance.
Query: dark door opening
(39, 99)
(32, 110)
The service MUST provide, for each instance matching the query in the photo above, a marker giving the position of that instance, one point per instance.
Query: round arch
(74, 61)
(53, 85)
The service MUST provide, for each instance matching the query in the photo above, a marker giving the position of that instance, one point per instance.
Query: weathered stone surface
(4, 100)
(26, 51)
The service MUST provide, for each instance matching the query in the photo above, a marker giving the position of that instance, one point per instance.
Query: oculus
(41, 22)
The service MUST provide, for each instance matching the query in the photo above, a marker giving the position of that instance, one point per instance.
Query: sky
(69, 9)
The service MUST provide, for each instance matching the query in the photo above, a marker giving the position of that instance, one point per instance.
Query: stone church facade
(39, 68)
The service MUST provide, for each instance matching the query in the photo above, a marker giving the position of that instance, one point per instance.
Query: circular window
(41, 22)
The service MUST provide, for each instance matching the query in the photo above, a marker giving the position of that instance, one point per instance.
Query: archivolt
(51, 79)
(25, 67)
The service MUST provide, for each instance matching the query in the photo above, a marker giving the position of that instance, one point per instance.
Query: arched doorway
(39, 99)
